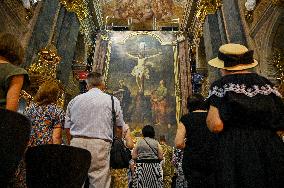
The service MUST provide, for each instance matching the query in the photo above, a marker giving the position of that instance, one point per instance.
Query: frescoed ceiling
(143, 14)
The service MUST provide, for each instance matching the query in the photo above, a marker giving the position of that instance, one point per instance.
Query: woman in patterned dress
(180, 181)
(46, 117)
(246, 111)
(47, 122)
(148, 154)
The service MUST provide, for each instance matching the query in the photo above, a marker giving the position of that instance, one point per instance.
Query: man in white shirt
(89, 123)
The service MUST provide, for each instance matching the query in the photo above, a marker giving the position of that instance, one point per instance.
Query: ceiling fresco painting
(142, 13)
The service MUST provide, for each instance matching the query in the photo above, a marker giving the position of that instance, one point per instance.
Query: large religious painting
(141, 75)
(143, 12)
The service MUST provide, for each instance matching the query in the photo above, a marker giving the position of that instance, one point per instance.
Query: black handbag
(120, 155)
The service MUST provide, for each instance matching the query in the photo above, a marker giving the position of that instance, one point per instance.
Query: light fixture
(29, 3)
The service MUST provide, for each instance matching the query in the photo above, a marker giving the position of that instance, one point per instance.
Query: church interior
(153, 53)
(66, 39)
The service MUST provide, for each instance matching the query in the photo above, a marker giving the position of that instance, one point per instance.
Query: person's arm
(68, 135)
(13, 93)
(180, 136)
(160, 152)
(128, 139)
(118, 132)
(152, 56)
(67, 124)
(214, 122)
(119, 118)
(134, 153)
(56, 135)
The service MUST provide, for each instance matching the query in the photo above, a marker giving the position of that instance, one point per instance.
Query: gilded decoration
(204, 8)
(278, 61)
(81, 8)
(48, 59)
(278, 2)
(43, 69)
(77, 6)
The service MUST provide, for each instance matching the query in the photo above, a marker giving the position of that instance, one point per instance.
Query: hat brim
(216, 62)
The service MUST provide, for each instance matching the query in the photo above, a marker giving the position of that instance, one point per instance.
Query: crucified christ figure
(141, 71)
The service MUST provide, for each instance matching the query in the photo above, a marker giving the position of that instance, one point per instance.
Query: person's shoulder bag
(120, 155)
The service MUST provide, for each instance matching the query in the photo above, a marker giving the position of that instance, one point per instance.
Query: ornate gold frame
(176, 63)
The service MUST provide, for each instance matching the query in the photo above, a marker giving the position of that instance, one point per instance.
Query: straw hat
(234, 57)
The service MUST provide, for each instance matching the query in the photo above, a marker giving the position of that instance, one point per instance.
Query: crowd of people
(230, 139)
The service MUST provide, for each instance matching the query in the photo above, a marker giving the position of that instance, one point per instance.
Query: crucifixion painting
(141, 70)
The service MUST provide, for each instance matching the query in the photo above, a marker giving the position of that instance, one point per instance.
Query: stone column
(42, 30)
(232, 22)
(66, 38)
(212, 42)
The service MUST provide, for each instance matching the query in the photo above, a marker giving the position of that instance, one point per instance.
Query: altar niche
(141, 76)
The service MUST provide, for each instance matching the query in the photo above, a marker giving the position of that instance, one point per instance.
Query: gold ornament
(47, 62)
(204, 7)
(278, 2)
(87, 24)
(278, 62)
(249, 16)
(76, 6)
(42, 70)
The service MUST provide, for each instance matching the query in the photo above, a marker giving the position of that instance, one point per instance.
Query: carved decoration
(278, 62)
(43, 69)
(249, 16)
(250, 7)
(204, 7)
(77, 6)
(48, 59)
(278, 2)
(82, 10)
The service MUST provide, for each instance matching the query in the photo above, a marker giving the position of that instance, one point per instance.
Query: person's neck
(238, 72)
(199, 111)
(97, 87)
(3, 60)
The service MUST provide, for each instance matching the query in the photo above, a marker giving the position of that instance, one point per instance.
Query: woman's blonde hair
(11, 48)
(48, 92)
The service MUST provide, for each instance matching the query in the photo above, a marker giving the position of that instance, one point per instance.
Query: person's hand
(132, 166)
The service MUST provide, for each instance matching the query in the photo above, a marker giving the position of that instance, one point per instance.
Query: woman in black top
(198, 159)
(246, 110)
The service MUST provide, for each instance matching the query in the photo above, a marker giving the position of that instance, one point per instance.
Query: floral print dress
(44, 119)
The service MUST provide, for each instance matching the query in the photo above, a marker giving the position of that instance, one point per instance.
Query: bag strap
(154, 151)
(113, 116)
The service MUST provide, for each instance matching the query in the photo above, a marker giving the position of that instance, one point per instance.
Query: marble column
(212, 42)
(42, 30)
(66, 39)
(223, 27)
(232, 22)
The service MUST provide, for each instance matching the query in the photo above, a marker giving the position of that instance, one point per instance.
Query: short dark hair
(148, 131)
(163, 138)
(196, 102)
(11, 48)
(94, 79)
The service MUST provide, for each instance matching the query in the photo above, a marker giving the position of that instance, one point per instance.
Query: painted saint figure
(159, 103)
(124, 96)
(141, 71)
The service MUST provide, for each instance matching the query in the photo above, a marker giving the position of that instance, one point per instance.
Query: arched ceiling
(143, 14)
